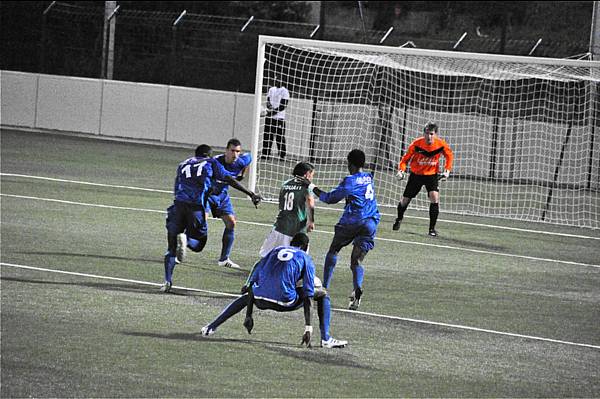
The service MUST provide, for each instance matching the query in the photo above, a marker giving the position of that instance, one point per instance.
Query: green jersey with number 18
(292, 217)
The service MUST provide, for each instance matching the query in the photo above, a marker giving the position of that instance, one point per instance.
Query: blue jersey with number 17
(359, 191)
(194, 179)
(275, 276)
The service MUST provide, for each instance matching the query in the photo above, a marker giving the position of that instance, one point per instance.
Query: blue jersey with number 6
(359, 191)
(275, 276)
(194, 179)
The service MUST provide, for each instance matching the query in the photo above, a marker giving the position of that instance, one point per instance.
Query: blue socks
(330, 261)
(228, 238)
(358, 273)
(169, 266)
(324, 309)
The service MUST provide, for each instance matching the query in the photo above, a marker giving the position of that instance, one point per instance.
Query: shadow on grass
(209, 340)
(316, 354)
(225, 271)
(337, 356)
(444, 239)
(470, 244)
(71, 254)
(140, 289)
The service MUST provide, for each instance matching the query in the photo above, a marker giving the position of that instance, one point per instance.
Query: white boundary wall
(115, 109)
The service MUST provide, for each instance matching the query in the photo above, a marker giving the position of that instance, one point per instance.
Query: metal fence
(201, 51)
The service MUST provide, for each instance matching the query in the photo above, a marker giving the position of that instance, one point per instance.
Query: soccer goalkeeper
(424, 156)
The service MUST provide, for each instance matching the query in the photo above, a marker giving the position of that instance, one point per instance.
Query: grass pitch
(481, 311)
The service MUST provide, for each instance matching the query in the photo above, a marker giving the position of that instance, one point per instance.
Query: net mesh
(522, 133)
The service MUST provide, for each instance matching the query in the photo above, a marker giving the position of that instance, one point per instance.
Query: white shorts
(274, 239)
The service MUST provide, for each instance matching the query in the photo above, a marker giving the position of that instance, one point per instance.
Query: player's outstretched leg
(232, 309)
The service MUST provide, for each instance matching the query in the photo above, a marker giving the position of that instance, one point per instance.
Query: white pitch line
(86, 183)
(82, 203)
(477, 251)
(491, 226)
(432, 323)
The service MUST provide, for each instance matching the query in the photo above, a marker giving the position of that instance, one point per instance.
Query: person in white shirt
(277, 101)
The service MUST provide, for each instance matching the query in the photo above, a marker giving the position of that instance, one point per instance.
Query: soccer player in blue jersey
(236, 164)
(186, 218)
(357, 225)
(283, 281)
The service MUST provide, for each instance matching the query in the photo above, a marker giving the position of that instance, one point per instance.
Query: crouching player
(284, 281)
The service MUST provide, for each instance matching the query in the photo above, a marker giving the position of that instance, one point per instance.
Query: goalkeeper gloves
(400, 174)
(445, 175)
(307, 336)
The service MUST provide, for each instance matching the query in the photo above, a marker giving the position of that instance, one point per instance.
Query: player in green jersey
(296, 209)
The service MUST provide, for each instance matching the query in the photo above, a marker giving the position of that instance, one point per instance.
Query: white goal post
(525, 131)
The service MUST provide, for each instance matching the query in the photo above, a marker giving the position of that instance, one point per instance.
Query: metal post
(362, 19)
(43, 43)
(387, 34)
(247, 23)
(174, 45)
(595, 33)
(315, 31)
(536, 46)
(459, 40)
(110, 56)
(109, 9)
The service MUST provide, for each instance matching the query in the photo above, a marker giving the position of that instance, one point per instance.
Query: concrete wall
(138, 111)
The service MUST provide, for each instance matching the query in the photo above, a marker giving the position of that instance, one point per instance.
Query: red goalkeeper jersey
(425, 158)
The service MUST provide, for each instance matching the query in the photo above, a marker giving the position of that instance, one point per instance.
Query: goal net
(525, 131)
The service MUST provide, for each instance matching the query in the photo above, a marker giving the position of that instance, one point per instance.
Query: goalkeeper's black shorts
(416, 182)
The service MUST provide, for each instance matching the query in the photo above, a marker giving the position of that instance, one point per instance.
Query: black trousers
(274, 129)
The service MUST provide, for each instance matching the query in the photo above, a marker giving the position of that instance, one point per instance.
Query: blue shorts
(186, 217)
(220, 205)
(360, 235)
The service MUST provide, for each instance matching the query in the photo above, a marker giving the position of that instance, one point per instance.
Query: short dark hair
(203, 150)
(233, 142)
(301, 168)
(300, 240)
(430, 127)
(356, 158)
